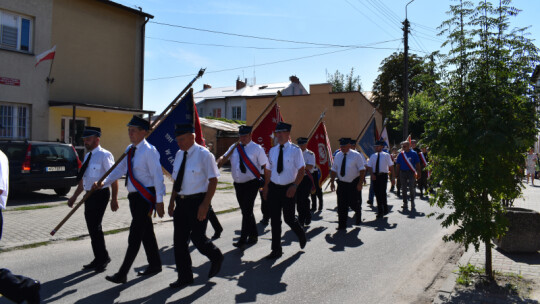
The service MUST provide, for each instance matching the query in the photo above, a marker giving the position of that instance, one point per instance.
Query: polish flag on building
(263, 134)
(47, 55)
(320, 145)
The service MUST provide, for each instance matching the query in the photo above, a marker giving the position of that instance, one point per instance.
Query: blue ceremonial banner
(163, 137)
(367, 140)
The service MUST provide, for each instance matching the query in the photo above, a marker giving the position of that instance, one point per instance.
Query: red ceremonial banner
(320, 145)
(199, 137)
(263, 134)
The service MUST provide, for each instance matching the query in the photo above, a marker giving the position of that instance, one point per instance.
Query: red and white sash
(408, 162)
(423, 159)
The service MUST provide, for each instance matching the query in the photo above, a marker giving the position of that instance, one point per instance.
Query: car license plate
(55, 169)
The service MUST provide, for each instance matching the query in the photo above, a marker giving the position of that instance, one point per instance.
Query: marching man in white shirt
(347, 167)
(196, 176)
(284, 173)
(304, 189)
(247, 159)
(379, 165)
(96, 162)
(144, 182)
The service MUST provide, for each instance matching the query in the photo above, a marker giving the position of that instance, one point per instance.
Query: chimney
(206, 86)
(294, 79)
(240, 84)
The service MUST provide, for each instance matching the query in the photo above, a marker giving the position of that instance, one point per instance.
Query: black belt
(191, 196)
(281, 186)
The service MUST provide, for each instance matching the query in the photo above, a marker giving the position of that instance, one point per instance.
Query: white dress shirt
(309, 159)
(200, 167)
(101, 161)
(257, 156)
(146, 169)
(292, 162)
(4, 179)
(353, 165)
(384, 162)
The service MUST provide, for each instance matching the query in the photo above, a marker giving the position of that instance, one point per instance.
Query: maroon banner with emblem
(320, 145)
(263, 134)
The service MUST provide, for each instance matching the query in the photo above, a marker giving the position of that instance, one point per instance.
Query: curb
(445, 292)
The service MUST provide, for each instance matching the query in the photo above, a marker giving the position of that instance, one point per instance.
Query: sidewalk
(34, 226)
(526, 265)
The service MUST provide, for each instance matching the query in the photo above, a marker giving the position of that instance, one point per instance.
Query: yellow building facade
(345, 113)
(95, 79)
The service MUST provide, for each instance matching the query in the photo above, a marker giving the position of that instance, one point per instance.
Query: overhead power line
(249, 36)
(273, 62)
(262, 48)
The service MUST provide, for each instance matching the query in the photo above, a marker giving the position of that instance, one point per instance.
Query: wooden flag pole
(226, 156)
(152, 127)
(316, 125)
(201, 72)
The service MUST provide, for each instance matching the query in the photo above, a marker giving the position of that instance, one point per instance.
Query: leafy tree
(422, 107)
(344, 83)
(484, 122)
(388, 86)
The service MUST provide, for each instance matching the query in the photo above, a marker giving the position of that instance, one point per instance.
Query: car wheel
(62, 191)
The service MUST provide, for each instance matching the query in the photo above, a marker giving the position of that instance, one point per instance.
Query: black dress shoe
(240, 243)
(264, 221)
(370, 202)
(216, 266)
(32, 293)
(379, 215)
(149, 271)
(302, 240)
(116, 278)
(274, 255)
(181, 283)
(100, 267)
(90, 265)
(339, 228)
(252, 240)
(358, 218)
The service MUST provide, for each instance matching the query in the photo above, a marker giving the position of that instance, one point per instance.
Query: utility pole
(406, 75)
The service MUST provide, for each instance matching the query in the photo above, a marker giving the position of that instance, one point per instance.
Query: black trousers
(214, 221)
(187, 227)
(94, 209)
(358, 195)
(246, 194)
(407, 182)
(265, 207)
(379, 186)
(346, 198)
(302, 201)
(318, 192)
(140, 231)
(280, 203)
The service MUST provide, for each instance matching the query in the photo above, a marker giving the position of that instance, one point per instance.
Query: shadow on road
(48, 289)
(342, 239)
(380, 224)
(32, 198)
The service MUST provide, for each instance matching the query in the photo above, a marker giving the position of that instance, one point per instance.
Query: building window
(15, 120)
(339, 102)
(15, 32)
(216, 113)
(237, 113)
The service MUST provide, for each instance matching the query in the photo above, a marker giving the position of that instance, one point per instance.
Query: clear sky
(324, 36)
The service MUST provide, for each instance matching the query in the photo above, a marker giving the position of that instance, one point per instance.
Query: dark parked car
(35, 165)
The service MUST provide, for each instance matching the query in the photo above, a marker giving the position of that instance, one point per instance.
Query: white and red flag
(263, 134)
(47, 55)
(320, 145)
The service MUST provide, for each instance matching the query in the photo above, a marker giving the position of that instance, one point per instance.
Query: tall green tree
(484, 122)
(422, 107)
(388, 86)
(344, 83)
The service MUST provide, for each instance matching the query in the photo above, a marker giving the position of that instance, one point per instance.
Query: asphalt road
(379, 261)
